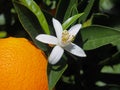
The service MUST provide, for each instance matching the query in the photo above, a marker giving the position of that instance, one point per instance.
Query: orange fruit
(22, 65)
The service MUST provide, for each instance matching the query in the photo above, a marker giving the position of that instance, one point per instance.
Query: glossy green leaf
(115, 69)
(61, 9)
(71, 6)
(2, 19)
(3, 34)
(55, 74)
(100, 83)
(87, 11)
(88, 22)
(74, 10)
(29, 22)
(33, 7)
(71, 20)
(96, 36)
(106, 5)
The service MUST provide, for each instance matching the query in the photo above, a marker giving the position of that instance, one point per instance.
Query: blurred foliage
(100, 37)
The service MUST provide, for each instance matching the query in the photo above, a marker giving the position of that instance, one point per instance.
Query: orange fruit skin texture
(22, 65)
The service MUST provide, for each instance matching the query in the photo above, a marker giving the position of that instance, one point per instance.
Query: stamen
(66, 37)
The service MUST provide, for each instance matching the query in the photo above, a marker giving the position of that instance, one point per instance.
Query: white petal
(55, 55)
(75, 29)
(76, 50)
(47, 39)
(58, 28)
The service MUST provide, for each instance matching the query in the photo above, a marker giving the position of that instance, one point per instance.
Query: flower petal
(76, 50)
(55, 55)
(58, 28)
(75, 29)
(47, 39)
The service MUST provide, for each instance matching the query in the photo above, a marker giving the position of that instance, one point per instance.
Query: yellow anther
(66, 37)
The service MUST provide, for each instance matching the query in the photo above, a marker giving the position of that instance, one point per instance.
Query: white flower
(63, 41)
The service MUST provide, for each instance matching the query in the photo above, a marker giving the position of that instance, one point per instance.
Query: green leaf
(71, 6)
(74, 10)
(88, 22)
(29, 22)
(96, 36)
(115, 69)
(3, 34)
(61, 9)
(106, 5)
(71, 20)
(2, 19)
(54, 75)
(33, 7)
(100, 83)
(87, 11)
